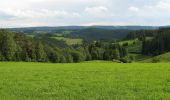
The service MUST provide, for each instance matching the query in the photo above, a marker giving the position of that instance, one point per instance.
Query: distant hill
(91, 34)
(86, 32)
(46, 29)
(127, 27)
(53, 29)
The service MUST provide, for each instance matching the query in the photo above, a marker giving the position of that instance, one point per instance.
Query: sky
(28, 13)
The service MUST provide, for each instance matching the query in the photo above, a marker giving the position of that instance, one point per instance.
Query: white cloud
(106, 23)
(132, 8)
(44, 13)
(163, 5)
(87, 12)
(99, 9)
(98, 12)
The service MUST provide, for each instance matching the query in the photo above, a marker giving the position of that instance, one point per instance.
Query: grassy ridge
(161, 58)
(84, 81)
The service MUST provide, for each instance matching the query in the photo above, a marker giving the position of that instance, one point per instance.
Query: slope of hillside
(161, 58)
(91, 34)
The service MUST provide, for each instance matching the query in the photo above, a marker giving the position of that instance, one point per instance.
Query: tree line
(141, 34)
(18, 47)
(159, 44)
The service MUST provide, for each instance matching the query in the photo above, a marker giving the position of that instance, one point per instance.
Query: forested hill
(88, 33)
(91, 34)
(47, 47)
(53, 29)
(19, 47)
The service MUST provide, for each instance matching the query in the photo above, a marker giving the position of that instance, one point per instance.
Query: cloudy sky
(25, 13)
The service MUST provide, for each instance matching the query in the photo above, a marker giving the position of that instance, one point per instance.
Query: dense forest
(154, 42)
(91, 34)
(159, 44)
(16, 46)
(88, 33)
(97, 44)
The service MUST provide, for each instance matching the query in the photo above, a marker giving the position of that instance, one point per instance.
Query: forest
(17, 46)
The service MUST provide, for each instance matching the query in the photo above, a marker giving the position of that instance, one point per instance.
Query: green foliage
(159, 44)
(40, 53)
(19, 47)
(132, 58)
(69, 58)
(1, 57)
(53, 56)
(125, 60)
(69, 41)
(141, 34)
(77, 56)
(91, 34)
(160, 58)
(63, 59)
(7, 43)
(155, 60)
(115, 54)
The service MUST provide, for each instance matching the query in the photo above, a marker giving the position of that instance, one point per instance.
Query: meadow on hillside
(84, 81)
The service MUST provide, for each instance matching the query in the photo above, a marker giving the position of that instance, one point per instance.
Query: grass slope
(130, 42)
(162, 58)
(69, 41)
(84, 81)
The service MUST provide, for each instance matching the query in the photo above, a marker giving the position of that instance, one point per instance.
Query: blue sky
(26, 13)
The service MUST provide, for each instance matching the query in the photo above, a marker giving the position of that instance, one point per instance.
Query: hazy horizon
(86, 26)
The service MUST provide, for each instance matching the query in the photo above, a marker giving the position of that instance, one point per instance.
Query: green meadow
(84, 81)
(69, 41)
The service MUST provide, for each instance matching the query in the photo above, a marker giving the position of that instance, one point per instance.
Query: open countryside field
(84, 81)
(69, 41)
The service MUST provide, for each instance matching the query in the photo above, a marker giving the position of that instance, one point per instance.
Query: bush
(126, 44)
(125, 60)
(156, 60)
(62, 59)
(132, 58)
(77, 56)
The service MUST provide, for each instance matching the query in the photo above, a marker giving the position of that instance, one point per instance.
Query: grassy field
(84, 81)
(161, 58)
(130, 42)
(69, 41)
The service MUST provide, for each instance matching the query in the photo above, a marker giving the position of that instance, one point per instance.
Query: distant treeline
(154, 42)
(159, 44)
(18, 47)
(91, 34)
(141, 34)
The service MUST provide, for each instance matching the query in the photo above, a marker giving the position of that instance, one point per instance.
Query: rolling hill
(161, 58)
(89, 33)
(92, 34)
(53, 29)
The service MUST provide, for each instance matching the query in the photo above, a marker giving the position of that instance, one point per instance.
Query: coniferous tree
(69, 58)
(77, 56)
(1, 57)
(63, 59)
(115, 54)
(18, 54)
